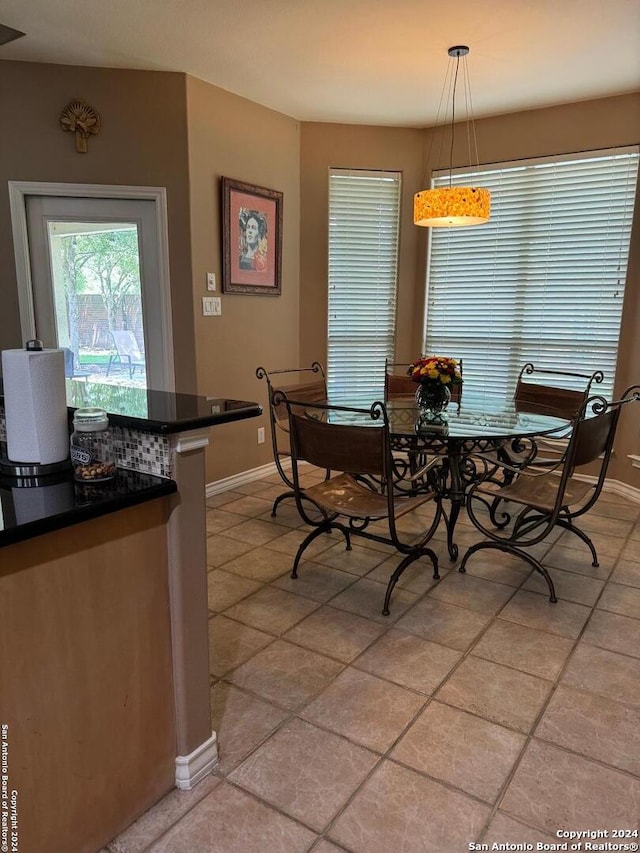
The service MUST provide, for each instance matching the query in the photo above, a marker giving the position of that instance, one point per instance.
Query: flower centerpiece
(435, 375)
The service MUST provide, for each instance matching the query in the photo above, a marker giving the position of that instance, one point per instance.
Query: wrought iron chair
(548, 493)
(549, 397)
(563, 401)
(542, 396)
(310, 387)
(359, 447)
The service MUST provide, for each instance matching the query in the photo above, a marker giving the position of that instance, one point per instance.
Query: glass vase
(432, 399)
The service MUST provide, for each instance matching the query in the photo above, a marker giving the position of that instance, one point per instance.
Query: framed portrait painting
(251, 239)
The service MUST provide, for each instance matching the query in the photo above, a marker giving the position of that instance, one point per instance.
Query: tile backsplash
(135, 449)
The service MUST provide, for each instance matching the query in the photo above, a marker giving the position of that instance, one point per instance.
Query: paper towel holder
(33, 469)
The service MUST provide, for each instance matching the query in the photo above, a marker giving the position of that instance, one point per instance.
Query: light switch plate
(211, 306)
(211, 281)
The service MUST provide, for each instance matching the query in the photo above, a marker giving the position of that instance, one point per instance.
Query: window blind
(543, 281)
(364, 214)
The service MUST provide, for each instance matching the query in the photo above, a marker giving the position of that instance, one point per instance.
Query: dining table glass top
(482, 419)
(486, 418)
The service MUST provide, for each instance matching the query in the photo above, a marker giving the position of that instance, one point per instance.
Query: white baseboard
(245, 477)
(616, 487)
(241, 479)
(190, 769)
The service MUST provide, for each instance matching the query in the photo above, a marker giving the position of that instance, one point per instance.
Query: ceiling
(355, 61)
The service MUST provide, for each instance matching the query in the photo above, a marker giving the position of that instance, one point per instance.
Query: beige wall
(575, 127)
(232, 137)
(143, 142)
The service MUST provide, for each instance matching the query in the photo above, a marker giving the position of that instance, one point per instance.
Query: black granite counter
(30, 510)
(160, 412)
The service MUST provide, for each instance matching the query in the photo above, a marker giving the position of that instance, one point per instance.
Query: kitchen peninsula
(104, 676)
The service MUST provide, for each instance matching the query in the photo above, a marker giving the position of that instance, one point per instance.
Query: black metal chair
(548, 493)
(544, 394)
(360, 448)
(538, 391)
(311, 386)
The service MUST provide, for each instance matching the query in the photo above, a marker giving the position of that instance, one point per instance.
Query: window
(544, 280)
(364, 214)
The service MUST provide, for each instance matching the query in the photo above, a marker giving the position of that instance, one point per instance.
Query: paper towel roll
(35, 405)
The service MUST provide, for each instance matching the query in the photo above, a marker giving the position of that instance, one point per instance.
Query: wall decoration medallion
(79, 118)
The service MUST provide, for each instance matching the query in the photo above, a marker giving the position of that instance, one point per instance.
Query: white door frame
(19, 190)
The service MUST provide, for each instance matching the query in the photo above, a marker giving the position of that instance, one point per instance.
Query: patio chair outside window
(127, 351)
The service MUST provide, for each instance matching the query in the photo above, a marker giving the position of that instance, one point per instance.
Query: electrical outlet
(211, 281)
(260, 435)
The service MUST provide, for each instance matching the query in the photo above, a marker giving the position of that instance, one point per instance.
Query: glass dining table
(482, 425)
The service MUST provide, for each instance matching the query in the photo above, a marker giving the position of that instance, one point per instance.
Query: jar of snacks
(92, 453)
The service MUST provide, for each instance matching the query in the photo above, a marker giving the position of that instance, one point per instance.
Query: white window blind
(364, 215)
(543, 281)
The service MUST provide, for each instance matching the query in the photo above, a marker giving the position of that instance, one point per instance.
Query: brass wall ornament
(79, 118)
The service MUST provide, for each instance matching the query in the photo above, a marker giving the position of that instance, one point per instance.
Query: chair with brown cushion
(307, 384)
(355, 441)
(547, 391)
(548, 494)
(545, 394)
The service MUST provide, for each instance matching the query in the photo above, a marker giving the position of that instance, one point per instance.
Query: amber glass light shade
(447, 206)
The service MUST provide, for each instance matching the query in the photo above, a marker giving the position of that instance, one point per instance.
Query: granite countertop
(160, 412)
(28, 510)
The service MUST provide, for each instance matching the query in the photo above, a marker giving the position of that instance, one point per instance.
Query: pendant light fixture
(453, 205)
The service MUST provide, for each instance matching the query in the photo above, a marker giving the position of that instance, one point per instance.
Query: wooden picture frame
(251, 239)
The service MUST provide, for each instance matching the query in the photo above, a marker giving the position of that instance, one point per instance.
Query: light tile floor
(476, 712)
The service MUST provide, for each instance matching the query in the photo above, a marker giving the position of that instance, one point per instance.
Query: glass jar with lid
(92, 453)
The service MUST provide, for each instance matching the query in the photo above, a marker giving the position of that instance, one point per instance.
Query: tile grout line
(536, 723)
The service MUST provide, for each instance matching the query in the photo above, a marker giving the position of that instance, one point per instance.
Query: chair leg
(111, 359)
(395, 577)
(517, 552)
(317, 531)
(561, 522)
(278, 501)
